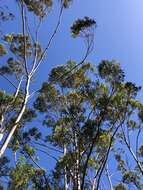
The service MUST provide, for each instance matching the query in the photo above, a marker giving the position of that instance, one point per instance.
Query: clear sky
(118, 34)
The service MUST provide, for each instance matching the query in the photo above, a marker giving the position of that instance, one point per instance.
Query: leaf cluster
(80, 26)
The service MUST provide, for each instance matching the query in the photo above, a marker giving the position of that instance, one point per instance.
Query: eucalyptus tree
(86, 111)
(90, 115)
(24, 55)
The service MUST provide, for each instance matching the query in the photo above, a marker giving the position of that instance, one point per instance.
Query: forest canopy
(81, 127)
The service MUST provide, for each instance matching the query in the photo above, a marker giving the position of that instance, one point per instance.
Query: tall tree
(25, 55)
(86, 111)
(91, 119)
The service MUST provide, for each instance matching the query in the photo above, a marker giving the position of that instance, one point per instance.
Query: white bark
(77, 167)
(65, 171)
(109, 177)
(8, 138)
(1, 136)
(94, 184)
(78, 175)
(28, 74)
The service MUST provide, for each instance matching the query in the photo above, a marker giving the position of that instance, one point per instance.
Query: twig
(24, 36)
(50, 41)
(8, 80)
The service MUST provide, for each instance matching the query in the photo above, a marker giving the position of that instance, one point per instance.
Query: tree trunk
(94, 184)
(77, 180)
(8, 138)
(65, 171)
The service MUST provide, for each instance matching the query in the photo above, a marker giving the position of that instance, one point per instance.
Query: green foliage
(5, 14)
(111, 71)
(131, 177)
(5, 100)
(121, 162)
(4, 167)
(83, 109)
(103, 141)
(120, 186)
(81, 25)
(28, 115)
(16, 44)
(66, 3)
(20, 46)
(15, 144)
(26, 176)
(86, 110)
(20, 175)
(39, 7)
(140, 113)
(140, 151)
(31, 133)
(2, 50)
(13, 66)
(28, 149)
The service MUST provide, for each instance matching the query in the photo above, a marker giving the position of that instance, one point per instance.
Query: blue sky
(118, 35)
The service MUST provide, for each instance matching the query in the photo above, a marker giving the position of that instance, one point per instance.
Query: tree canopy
(81, 129)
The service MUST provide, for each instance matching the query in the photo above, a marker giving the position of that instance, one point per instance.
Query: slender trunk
(78, 182)
(78, 174)
(8, 138)
(135, 158)
(94, 184)
(132, 153)
(109, 178)
(65, 171)
(15, 157)
(77, 165)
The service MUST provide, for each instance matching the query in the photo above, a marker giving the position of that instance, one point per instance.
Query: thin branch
(109, 147)
(33, 160)
(50, 41)
(132, 152)
(46, 146)
(76, 66)
(101, 116)
(109, 177)
(106, 158)
(24, 36)
(17, 90)
(137, 140)
(36, 41)
(8, 80)
(43, 151)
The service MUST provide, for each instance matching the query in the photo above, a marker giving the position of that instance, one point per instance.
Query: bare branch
(8, 80)
(132, 152)
(24, 35)
(109, 177)
(49, 42)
